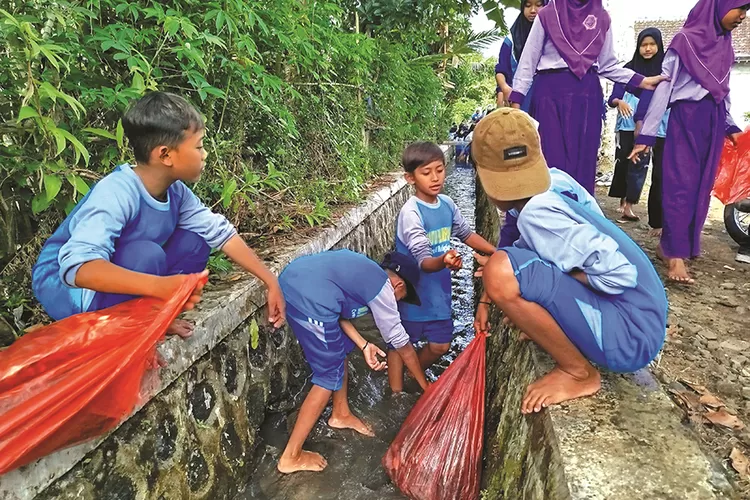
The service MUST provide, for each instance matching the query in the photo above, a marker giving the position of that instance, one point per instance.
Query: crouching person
(573, 282)
(323, 291)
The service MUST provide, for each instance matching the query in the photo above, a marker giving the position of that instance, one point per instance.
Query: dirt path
(708, 339)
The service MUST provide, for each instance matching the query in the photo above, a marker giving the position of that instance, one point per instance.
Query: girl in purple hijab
(570, 45)
(698, 63)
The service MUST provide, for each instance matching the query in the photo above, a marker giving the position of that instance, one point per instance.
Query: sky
(623, 13)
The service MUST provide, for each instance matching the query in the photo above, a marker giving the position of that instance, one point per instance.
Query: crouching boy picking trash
(573, 283)
(323, 291)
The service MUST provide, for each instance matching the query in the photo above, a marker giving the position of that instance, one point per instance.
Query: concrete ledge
(627, 442)
(224, 310)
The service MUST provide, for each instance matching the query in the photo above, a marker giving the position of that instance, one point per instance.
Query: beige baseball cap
(508, 155)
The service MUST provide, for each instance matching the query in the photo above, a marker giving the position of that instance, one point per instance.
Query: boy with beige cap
(572, 282)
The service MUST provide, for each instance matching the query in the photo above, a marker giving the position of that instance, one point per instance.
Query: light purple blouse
(681, 87)
(540, 54)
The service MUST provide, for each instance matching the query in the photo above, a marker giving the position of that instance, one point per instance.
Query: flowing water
(354, 471)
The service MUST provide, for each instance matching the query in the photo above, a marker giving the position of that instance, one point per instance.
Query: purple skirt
(569, 112)
(695, 137)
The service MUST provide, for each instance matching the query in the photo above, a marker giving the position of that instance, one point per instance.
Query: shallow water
(354, 471)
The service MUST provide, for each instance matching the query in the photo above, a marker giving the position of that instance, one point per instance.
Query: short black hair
(419, 154)
(156, 119)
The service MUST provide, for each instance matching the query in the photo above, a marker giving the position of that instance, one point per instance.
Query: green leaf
(27, 112)
(120, 134)
(226, 193)
(39, 203)
(78, 184)
(254, 334)
(57, 133)
(100, 132)
(52, 185)
(79, 148)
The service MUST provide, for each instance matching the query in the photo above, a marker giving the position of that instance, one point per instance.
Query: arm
(237, 250)
(532, 53)
(618, 92)
(369, 350)
(461, 230)
(609, 66)
(385, 312)
(412, 234)
(653, 105)
(504, 68)
(480, 244)
(549, 228)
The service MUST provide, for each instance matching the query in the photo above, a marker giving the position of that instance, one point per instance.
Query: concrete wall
(626, 442)
(196, 437)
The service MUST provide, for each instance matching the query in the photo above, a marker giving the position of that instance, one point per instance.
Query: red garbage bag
(437, 454)
(733, 178)
(79, 377)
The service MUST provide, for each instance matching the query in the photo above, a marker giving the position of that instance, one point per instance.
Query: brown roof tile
(740, 36)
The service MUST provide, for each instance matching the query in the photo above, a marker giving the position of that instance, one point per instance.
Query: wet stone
(166, 437)
(259, 357)
(231, 445)
(255, 405)
(277, 382)
(197, 471)
(230, 373)
(727, 302)
(202, 401)
(277, 336)
(117, 487)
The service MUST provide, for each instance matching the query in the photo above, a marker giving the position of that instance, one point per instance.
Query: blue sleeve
(549, 227)
(97, 224)
(509, 231)
(618, 92)
(459, 227)
(411, 232)
(504, 64)
(196, 217)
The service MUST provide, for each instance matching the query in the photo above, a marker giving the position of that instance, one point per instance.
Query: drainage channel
(354, 471)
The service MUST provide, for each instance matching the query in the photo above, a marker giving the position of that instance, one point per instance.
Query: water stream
(354, 471)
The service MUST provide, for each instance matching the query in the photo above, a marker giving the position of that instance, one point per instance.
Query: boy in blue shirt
(423, 230)
(140, 230)
(323, 291)
(572, 282)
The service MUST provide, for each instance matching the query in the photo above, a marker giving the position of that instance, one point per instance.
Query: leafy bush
(301, 108)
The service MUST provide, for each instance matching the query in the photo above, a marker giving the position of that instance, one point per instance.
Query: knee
(500, 280)
(190, 243)
(439, 349)
(141, 256)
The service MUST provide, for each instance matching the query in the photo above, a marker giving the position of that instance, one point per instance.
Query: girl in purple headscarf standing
(570, 45)
(698, 63)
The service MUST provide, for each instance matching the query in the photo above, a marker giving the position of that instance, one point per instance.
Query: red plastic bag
(437, 454)
(79, 377)
(733, 178)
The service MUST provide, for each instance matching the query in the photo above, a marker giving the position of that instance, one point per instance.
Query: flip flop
(628, 218)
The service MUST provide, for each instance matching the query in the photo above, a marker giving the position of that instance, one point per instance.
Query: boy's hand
(482, 261)
(168, 286)
(482, 319)
(371, 353)
(276, 306)
(452, 260)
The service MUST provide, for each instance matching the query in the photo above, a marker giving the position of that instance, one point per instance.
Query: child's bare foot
(655, 232)
(678, 271)
(621, 208)
(180, 327)
(306, 461)
(351, 422)
(558, 386)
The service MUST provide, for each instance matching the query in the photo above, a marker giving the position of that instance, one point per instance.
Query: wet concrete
(354, 470)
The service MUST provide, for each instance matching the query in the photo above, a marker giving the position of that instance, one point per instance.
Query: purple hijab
(705, 47)
(578, 29)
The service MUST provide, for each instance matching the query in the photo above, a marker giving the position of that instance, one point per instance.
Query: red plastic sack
(79, 377)
(733, 178)
(437, 454)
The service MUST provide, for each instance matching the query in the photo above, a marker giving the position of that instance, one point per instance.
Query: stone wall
(196, 437)
(626, 442)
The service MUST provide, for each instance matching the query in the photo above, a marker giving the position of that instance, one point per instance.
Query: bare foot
(621, 208)
(180, 327)
(655, 233)
(628, 212)
(306, 461)
(351, 422)
(558, 386)
(678, 271)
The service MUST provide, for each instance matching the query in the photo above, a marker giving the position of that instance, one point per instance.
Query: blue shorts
(325, 347)
(601, 326)
(435, 332)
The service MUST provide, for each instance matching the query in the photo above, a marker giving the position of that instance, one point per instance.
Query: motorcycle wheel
(737, 224)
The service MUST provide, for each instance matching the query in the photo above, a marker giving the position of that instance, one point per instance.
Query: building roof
(669, 28)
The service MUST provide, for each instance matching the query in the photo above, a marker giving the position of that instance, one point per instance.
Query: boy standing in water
(323, 291)
(140, 229)
(573, 282)
(423, 230)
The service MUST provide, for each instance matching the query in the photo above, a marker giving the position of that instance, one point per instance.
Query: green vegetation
(304, 101)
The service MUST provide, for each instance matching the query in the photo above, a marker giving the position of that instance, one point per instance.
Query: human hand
(624, 108)
(452, 260)
(371, 353)
(276, 306)
(515, 105)
(734, 137)
(651, 82)
(507, 322)
(482, 319)
(168, 286)
(635, 155)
